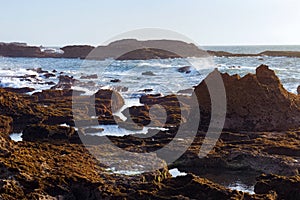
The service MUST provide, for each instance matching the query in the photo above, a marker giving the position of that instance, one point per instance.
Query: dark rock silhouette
(76, 51)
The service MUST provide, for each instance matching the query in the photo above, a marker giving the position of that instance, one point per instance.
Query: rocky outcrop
(64, 82)
(5, 125)
(76, 51)
(92, 76)
(285, 187)
(147, 54)
(19, 90)
(145, 49)
(21, 109)
(17, 50)
(186, 69)
(281, 53)
(41, 132)
(52, 163)
(255, 102)
(295, 54)
(128, 49)
(68, 171)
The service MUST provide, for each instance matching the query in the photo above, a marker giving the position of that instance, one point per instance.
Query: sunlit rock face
(255, 102)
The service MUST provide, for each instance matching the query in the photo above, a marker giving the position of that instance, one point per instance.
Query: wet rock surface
(262, 136)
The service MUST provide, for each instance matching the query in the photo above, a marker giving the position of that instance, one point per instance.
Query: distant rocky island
(127, 49)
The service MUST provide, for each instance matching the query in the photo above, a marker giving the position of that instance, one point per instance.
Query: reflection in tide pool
(242, 187)
(175, 172)
(17, 137)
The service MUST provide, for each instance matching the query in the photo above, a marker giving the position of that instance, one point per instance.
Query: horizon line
(199, 45)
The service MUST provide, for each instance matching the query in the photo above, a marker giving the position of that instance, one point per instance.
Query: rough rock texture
(41, 132)
(5, 125)
(167, 111)
(67, 171)
(255, 102)
(285, 187)
(51, 163)
(22, 110)
(19, 90)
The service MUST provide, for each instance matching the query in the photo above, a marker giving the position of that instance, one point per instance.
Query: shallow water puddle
(17, 137)
(175, 172)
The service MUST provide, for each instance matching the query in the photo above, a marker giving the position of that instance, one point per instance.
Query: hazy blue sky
(59, 22)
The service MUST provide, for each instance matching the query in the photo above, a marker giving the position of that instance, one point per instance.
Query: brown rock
(41, 132)
(5, 125)
(19, 90)
(19, 50)
(76, 51)
(20, 108)
(254, 102)
(285, 187)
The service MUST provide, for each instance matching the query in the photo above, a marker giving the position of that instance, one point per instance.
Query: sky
(206, 22)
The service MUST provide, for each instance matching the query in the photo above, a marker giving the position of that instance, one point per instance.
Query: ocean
(155, 76)
(166, 78)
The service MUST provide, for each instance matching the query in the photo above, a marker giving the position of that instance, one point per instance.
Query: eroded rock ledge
(262, 136)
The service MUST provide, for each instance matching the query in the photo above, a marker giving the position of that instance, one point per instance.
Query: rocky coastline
(128, 49)
(261, 136)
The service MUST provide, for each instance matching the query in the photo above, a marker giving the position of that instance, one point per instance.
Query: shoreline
(261, 141)
(130, 49)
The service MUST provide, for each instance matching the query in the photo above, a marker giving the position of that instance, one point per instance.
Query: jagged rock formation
(255, 102)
